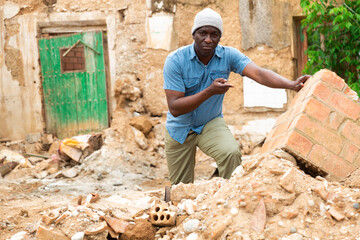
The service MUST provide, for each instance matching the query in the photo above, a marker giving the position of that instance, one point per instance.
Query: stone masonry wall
(321, 128)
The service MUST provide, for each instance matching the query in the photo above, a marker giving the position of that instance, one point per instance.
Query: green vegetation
(333, 32)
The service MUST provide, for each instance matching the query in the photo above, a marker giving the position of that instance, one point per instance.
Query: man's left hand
(299, 83)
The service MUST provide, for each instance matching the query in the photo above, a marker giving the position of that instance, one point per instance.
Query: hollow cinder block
(162, 216)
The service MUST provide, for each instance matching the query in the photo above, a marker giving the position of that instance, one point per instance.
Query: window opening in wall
(73, 60)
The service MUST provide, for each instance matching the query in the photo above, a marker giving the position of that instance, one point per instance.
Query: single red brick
(282, 118)
(331, 78)
(280, 141)
(282, 128)
(321, 91)
(73, 60)
(70, 54)
(311, 82)
(296, 110)
(318, 155)
(300, 96)
(352, 132)
(320, 134)
(78, 66)
(349, 152)
(81, 60)
(337, 166)
(345, 105)
(79, 54)
(317, 109)
(335, 119)
(299, 144)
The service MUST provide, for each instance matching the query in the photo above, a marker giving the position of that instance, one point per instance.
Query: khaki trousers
(216, 141)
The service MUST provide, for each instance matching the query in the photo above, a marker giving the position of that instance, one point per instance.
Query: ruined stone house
(67, 66)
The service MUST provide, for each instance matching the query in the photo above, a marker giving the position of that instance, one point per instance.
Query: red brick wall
(73, 60)
(321, 127)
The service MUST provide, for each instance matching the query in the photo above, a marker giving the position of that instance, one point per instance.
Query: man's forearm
(274, 80)
(182, 105)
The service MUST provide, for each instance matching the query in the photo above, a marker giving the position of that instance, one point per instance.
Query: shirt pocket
(219, 74)
(191, 85)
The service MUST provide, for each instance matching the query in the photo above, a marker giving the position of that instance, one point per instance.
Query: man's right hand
(219, 86)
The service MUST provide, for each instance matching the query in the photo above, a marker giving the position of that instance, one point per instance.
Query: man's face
(206, 39)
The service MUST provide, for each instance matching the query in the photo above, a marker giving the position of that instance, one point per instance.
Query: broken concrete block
(118, 225)
(96, 229)
(47, 139)
(33, 138)
(258, 219)
(321, 127)
(93, 215)
(289, 212)
(62, 217)
(50, 217)
(292, 181)
(142, 123)
(92, 197)
(11, 156)
(20, 236)
(54, 147)
(140, 138)
(45, 234)
(70, 172)
(336, 214)
(72, 152)
(321, 192)
(161, 215)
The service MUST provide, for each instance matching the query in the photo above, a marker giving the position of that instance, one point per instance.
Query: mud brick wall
(321, 128)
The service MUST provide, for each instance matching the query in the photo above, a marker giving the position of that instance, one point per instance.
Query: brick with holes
(162, 216)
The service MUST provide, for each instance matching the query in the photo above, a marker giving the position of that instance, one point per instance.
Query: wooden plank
(84, 23)
(72, 29)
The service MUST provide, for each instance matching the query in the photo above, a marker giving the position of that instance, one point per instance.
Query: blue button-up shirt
(184, 72)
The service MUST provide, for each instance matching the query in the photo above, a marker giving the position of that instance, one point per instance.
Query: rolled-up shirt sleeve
(238, 60)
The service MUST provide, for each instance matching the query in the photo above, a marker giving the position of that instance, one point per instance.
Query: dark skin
(205, 41)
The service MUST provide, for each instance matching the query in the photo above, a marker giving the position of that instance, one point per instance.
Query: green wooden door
(74, 84)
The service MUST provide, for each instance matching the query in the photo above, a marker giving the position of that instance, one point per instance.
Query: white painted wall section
(160, 31)
(257, 95)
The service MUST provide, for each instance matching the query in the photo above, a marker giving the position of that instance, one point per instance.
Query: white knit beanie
(207, 17)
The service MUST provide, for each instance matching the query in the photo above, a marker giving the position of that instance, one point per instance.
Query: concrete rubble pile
(57, 158)
(268, 197)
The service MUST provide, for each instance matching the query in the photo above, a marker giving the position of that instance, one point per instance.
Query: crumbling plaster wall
(20, 84)
(20, 106)
(134, 66)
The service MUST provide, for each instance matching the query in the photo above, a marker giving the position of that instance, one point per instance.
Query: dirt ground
(268, 197)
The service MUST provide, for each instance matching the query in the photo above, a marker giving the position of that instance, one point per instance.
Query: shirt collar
(218, 51)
